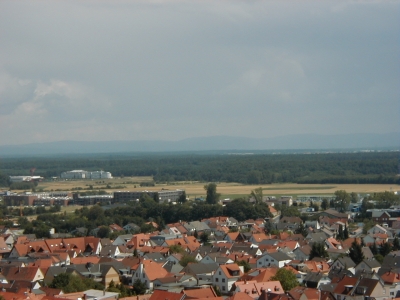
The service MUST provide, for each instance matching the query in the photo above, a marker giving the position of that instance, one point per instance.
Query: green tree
(290, 211)
(379, 258)
(324, 204)
(95, 212)
(147, 228)
(212, 195)
(342, 199)
(318, 250)
(176, 249)
(204, 238)
(368, 224)
(245, 264)
(113, 288)
(374, 249)
(139, 288)
(287, 279)
(356, 253)
(69, 283)
(301, 230)
(385, 249)
(60, 281)
(103, 232)
(217, 291)
(340, 235)
(353, 197)
(396, 244)
(186, 259)
(345, 233)
(257, 194)
(182, 198)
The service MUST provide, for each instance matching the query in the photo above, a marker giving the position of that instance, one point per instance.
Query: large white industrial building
(81, 174)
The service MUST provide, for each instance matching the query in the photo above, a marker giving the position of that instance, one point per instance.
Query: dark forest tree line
(375, 167)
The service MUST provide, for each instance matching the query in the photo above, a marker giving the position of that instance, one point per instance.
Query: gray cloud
(105, 70)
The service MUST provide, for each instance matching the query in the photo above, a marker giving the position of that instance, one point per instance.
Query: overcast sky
(169, 70)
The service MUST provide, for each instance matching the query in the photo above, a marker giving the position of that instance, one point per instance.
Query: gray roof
(199, 268)
(316, 237)
(279, 256)
(378, 213)
(108, 250)
(91, 269)
(372, 263)
(157, 257)
(347, 262)
(172, 267)
(391, 262)
(339, 272)
(306, 249)
(196, 225)
(367, 252)
(314, 277)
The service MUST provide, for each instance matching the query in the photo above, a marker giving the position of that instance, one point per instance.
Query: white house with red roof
(148, 271)
(225, 276)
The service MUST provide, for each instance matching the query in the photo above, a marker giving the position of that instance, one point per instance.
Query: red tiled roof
(163, 295)
(199, 293)
(240, 296)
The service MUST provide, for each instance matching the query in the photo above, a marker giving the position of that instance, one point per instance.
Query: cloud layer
(129, 70)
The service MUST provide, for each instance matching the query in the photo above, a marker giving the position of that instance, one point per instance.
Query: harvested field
(225, 189)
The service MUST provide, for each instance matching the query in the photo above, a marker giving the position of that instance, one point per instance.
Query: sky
(170, 70)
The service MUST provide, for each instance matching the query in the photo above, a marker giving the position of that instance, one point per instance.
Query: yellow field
(225, 189)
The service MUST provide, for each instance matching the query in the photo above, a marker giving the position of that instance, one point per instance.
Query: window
(223, 288)
(216, 279)
(223, 279)
(219, 272)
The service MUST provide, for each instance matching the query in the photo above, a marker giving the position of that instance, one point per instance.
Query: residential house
(304, 293)
(344, 262)
(316, 237)
(204, 272)
(131, 227)
(302, 252)
(278, 259)
(225, 276)
(31, 274)
(380, 217)
(148, 271)
(368, 265)
(359, 288)
(123, 239)
(315, 279)
(254, 289)
(377, 229)
(99, 272)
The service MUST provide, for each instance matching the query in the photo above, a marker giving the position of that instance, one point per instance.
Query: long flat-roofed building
(82, 174)
(163, 195)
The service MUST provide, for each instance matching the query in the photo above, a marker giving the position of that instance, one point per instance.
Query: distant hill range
(367, 141)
